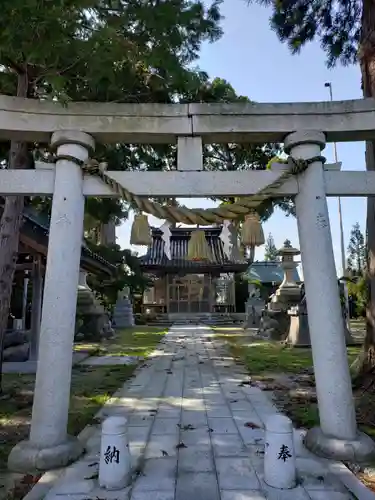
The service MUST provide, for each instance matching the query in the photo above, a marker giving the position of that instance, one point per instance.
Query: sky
(252, 59)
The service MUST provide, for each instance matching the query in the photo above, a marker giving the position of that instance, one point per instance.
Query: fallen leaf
(188, 427)
(181, 445)
(94, 476)
(251, 425)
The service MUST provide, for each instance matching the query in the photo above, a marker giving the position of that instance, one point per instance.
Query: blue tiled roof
(268, 272)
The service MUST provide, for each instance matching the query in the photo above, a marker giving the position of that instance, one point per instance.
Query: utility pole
(342, 243)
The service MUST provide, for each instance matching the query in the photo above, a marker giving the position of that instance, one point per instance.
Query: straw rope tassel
(140, 232)
(198, 248)
(252, 232)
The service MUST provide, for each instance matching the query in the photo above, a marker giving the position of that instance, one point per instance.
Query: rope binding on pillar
(252, 233)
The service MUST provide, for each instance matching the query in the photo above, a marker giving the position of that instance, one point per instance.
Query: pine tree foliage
(270, 250)
(356, 259)
(336, 23)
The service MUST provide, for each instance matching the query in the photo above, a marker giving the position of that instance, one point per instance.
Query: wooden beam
(40, 249)
(188, 184)
(36, 306)
(26, 266)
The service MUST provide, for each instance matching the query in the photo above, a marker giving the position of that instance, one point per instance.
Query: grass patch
(136, 341)
(262, 356)
(286, 370)
(91, 387)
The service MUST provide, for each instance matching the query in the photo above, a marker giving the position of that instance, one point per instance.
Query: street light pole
(342, 243)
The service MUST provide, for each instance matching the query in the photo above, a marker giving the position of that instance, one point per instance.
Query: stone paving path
(191, 392)
(110, 360)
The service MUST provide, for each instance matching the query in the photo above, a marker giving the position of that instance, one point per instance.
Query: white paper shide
(166, 237)
(226, 238)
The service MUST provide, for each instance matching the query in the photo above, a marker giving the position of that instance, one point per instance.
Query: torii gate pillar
(49, 446)
(338, 436)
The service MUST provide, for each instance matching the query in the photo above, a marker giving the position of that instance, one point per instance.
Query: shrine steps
(210, 319)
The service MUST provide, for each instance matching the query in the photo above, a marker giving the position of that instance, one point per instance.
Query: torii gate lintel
(184, 184)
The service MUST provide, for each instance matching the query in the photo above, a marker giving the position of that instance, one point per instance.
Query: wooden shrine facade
(189, 287)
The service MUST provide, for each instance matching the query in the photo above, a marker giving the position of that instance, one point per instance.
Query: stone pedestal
(123, 316)
(299, 333)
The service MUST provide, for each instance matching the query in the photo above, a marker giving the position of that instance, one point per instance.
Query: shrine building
(183, 286)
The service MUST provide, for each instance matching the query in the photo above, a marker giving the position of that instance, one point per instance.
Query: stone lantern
(288, 264)
(275, 320)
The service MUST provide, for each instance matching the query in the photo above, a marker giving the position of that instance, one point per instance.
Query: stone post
(337, 436)
(49, 446)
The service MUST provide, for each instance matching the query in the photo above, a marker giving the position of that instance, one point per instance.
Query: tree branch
(6, 61)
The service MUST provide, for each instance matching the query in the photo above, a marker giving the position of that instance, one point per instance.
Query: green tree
(90, 50)
(127, 273)
(346, 31)
(231, 157)
(357, 289)
(356, 260)
(270, 250)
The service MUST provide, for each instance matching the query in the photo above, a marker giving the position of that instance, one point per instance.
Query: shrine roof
(155, 257)
(36, 227)
(269, 272)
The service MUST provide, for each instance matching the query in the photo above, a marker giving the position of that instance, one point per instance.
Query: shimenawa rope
(195, 216)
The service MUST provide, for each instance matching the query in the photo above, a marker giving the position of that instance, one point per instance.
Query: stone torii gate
(304, 129)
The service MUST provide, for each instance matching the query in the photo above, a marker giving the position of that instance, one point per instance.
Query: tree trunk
(367, 63)
(10, 224)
